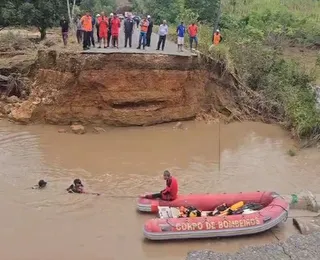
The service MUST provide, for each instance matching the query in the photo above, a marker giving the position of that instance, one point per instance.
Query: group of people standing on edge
(107, 28)
(146, 27)
(193, 36)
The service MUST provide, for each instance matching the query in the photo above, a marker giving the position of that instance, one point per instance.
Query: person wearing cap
(170, 192)
(76, 187)
(103, 29)
(144, 24)
(98, 27)
(41, 184)
(216, 39)
(163, 31)
(149, 32)
(109, 29)
(181, 30)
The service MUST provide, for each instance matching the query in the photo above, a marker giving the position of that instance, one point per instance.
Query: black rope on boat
(262, 197)
(287, 211)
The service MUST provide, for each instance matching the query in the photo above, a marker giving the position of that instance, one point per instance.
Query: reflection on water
(126, 162)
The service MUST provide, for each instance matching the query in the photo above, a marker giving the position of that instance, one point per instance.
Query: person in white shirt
(163, 31)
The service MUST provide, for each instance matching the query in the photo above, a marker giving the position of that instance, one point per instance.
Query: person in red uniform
(115, 29)
(103, 29)
(171, 190)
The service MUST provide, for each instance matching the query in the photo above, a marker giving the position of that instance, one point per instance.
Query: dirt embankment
(113, 89)
(125, 89)
(63, 86)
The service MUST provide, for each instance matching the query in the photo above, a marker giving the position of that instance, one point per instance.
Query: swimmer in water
(76, 187)
(41, 184)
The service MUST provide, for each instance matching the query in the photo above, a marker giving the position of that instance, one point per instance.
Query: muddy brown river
(52, 224)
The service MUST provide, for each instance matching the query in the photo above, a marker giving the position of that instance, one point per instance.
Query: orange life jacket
(216, 38)
(144, 26)
(86, 23)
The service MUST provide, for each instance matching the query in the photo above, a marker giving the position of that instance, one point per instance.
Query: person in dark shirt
(128, 31)
(181, 30)
(149, 32)
(91, 40)
(64, 24)
(137, 20)
(109, 29)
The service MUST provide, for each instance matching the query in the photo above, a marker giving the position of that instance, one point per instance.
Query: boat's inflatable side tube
(217, 233)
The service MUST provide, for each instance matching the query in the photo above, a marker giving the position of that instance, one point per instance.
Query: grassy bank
(259, 37)
(283, 82)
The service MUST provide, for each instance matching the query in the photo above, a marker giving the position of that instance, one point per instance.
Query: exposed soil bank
(129, 89)
(296, 247)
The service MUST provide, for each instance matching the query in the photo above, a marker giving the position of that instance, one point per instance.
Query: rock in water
(98, 130)
(78, 129)
(22, 114)
(178, 125)
(62, 131)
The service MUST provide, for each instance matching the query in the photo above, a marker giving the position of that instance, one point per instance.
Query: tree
(159, 10)
(97, 6)
(204, 10)
(71, 10)
(7, 13)
(42, 14)
(207, 9)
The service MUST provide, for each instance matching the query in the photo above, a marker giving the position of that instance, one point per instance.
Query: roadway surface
(170, 47)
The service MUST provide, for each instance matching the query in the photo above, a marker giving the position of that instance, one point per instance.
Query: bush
(254, 33)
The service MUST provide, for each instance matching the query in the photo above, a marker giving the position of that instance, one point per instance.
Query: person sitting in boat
(41, 184)
(76, 187)
(171, 190)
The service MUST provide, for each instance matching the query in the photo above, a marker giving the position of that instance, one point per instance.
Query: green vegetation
(39, 13)
(44, 14)
(255, 34)
(97, 6)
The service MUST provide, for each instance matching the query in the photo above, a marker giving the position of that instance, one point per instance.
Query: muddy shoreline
(296, 247)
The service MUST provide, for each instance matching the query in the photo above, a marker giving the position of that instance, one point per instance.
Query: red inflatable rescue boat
(170, 224)
(200, 201)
